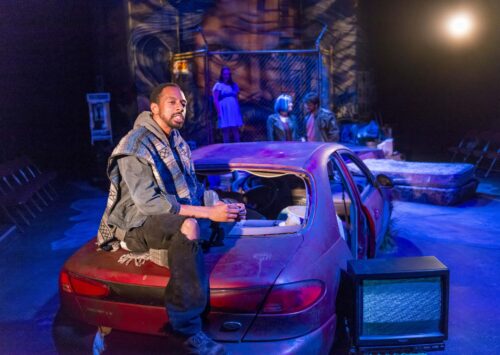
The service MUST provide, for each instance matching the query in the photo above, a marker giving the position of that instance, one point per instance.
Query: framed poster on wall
(99, 117)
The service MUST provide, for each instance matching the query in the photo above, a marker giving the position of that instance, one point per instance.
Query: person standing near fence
(282, 125)
(320, 123)
(225, 94)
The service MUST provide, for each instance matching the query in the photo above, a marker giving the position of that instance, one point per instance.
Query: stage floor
(464, 237)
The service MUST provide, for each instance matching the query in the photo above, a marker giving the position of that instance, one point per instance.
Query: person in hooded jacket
(154, 203)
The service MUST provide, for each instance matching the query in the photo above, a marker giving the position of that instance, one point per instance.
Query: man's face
(170, 111)
(310, 107)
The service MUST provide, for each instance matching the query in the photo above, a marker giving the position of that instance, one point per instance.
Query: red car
(274, 277)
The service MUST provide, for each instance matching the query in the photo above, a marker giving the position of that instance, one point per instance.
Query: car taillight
(243, 300)
(82, 286)
(64, 282)
(293, 297)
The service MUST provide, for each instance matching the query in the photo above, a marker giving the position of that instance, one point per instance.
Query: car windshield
(276, 202)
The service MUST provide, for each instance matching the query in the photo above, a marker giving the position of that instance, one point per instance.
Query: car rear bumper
(117, 315)
(151, 320)
(319, 341)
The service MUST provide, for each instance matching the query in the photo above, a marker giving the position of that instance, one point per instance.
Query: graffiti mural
(271, 46)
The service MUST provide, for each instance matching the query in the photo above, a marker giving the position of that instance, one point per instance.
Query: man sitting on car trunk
(153, 202)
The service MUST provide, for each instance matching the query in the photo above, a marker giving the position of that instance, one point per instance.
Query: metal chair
(493, 153)
(466, 145)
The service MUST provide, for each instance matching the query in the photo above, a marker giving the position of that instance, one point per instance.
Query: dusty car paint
(258, 264)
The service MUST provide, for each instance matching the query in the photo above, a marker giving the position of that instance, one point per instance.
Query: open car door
(373, 204)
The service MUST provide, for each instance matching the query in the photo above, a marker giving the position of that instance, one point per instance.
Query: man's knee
(190, 229)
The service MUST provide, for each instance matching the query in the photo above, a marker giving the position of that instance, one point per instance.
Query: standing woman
(282, 125)
(225, 93)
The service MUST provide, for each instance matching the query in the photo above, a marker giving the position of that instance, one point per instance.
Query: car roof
(261, 154)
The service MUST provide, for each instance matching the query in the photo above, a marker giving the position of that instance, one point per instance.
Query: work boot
(201, 344)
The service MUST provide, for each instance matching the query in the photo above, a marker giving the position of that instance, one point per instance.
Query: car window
(360, 174)
(342, 201)
(276, 202)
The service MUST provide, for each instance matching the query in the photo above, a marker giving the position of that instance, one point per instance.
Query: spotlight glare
(459, 25)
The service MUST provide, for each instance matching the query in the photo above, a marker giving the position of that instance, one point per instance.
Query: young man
(320, 123)
(154, 201)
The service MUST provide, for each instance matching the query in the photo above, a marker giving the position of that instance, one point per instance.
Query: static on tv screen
(401, 307)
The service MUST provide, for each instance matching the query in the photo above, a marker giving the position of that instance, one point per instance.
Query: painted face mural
(190, 43)
(242, 27)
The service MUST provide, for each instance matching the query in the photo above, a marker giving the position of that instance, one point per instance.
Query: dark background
(430, 89)
(53, 52)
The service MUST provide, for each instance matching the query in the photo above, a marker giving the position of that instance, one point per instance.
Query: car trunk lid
(242, 271)
(239, 263)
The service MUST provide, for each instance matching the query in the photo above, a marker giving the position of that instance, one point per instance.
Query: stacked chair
(490, 155)
(465, 146)
(481, 149)
(24, 190)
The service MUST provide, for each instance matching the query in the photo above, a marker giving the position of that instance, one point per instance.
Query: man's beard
(172, 121)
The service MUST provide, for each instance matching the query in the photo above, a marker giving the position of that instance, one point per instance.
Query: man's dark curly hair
(311, 97)
(155, 93)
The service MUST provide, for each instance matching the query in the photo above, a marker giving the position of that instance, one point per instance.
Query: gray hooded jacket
(151, 177)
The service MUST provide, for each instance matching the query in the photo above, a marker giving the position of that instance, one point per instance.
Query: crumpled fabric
(157, 256)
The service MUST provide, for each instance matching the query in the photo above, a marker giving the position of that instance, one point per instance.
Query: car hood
(239, 263)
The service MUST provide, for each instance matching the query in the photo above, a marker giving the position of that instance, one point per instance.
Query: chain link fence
(261, 76)
(188, 42)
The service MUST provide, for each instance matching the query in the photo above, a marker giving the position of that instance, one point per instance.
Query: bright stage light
(460, 25)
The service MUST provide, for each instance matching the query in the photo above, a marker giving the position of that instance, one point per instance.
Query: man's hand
(221, 212)
(243, 212)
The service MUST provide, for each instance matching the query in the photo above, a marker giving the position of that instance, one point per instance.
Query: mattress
(435, 195)
(435, 183)
(439, 175)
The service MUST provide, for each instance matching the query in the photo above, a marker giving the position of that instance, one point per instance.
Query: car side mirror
(384, 181)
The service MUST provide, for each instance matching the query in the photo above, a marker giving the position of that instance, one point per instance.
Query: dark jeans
(187, 290)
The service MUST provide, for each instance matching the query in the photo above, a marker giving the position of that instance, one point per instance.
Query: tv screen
(401, 307)
(400, 301)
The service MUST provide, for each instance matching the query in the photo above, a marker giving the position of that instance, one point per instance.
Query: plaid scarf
(171, 179)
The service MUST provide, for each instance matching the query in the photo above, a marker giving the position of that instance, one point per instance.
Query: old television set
(399, 304)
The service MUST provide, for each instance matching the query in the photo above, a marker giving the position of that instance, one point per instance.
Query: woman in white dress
(225, 93)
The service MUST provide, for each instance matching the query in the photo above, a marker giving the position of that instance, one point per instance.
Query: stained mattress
(435, 183)
(445, 175)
